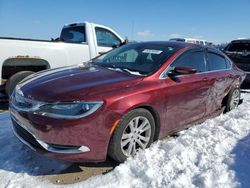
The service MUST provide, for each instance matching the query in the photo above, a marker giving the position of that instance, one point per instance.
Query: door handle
(205, 79)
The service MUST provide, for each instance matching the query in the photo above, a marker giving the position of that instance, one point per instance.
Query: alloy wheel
(136, 136)
(235, 99)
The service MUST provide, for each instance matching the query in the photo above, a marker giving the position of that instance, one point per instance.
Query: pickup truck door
(105, 40)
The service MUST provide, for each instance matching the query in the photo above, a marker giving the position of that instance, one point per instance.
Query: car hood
(75, 83)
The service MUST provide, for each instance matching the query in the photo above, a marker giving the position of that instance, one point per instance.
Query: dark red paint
(175, 103)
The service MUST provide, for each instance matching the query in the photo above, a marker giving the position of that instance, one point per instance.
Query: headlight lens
(68, 110)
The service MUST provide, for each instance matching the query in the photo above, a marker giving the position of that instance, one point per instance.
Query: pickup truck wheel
(233, 99)
(14, 80)
(134, 132)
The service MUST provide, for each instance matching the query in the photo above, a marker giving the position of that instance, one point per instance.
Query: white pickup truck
(77, 43)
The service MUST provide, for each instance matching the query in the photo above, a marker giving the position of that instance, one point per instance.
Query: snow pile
(215, 153)
(207, 155)
(19, 166)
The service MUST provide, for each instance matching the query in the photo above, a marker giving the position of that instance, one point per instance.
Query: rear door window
(216, 62)
(192, 59)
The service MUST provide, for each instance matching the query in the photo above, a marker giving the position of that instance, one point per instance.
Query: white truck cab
(78, 42)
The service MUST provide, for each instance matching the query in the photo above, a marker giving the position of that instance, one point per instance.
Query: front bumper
(29, 139)
(83, 140)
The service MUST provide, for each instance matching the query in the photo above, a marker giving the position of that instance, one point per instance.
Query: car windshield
(137, 58)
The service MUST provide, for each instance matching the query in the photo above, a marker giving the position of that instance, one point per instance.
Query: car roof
(241, 40)
(176, 44)
(180, 45)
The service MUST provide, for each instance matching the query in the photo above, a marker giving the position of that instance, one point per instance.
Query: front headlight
(68, 110)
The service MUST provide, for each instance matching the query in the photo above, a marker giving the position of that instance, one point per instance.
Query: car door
(186, 94)
(219, 77)
(105, 40)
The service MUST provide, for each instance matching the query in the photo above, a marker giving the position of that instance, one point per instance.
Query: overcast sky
(214, 20)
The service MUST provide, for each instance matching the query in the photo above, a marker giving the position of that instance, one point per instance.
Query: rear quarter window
(216, 62)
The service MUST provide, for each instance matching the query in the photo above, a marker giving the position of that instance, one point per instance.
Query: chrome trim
(247, 72)
(46, 146)
(21, 139)
(164, 76)
(63, 149)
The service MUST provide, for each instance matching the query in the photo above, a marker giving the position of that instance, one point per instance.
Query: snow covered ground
(215, 153)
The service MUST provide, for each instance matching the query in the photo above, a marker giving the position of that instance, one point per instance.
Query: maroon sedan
(122, 101)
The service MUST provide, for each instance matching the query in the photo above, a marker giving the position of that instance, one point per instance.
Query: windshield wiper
(118, 69)
(131, 71)
(121, 69)
(125, 70)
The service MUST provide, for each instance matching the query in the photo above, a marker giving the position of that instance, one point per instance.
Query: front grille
(26, 135)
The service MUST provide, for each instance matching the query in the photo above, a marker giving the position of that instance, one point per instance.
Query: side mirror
(121, 44)
(182, 71)
(124, 42)
(56, 39)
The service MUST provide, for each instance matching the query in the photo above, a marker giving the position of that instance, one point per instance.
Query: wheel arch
(16, 64)
(156, 118)
(226, 98)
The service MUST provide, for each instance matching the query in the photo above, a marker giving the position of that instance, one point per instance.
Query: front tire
(134, 132)
(14, 80)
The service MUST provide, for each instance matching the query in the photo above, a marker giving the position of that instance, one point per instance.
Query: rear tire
(14, 80)
(233, 99)
(134, 132)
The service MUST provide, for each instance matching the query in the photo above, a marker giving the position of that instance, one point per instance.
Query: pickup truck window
(73, 34)
(106, 38)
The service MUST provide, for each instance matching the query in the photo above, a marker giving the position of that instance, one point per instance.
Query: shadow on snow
(241, 165)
